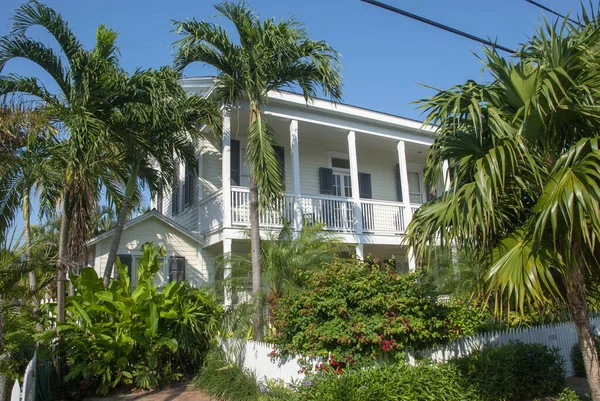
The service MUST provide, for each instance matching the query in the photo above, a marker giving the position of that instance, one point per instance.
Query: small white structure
(182, 259)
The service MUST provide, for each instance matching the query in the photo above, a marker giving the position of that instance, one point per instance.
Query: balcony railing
(333, 212)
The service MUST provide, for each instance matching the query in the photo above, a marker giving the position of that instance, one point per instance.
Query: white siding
(211, 168)
(155, 231)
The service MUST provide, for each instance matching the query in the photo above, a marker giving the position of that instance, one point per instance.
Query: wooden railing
(333, 212)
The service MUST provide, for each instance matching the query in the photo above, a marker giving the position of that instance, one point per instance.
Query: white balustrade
(381, 216)
(335, 213)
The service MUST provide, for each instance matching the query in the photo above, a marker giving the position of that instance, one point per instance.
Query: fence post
(15, 395)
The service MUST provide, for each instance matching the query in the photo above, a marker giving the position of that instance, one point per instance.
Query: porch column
(358, 220)
(227, 272)
(405, 197)
(297, 215)
(226, 167)
(445, 176)
(360, 253)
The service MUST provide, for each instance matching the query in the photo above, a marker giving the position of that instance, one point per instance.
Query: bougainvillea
(353, 312)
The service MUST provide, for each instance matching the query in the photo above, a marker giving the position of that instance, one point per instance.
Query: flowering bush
(353, 312)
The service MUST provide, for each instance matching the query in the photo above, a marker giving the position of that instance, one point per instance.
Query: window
(415, 187)
(175, 192)
(158, 278)
(188, 187)
(177, 268)
(159, 203)
(125, 260)
(340, 163)
(342, 185)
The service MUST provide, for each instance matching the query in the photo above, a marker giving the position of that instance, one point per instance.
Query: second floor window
(188, 187)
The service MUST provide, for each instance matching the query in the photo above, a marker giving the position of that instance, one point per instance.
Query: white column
(360, 251)
(412, 263)
(226, 167)
(296, 175)
(405, 197)
(199, 186)
(358, 223)
(227, 272)
(446, 176)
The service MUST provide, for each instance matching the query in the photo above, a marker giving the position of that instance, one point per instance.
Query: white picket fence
(561, 336)
(254, 355)
(27, 393)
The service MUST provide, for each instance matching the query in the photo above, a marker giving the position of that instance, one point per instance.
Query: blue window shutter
(364, 186)
(326, 181)
(235, 162)
(398, 184)
(280, 154)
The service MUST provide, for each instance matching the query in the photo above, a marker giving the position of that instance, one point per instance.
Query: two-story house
(356, 171)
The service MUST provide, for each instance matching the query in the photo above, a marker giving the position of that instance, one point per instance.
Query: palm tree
(524, 160)
(87, 83)
(160, 125)
(31, 166)
(286, 257)
(270, 55)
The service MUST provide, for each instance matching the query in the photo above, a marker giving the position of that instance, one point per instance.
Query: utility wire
(543, 7)
(438, 25)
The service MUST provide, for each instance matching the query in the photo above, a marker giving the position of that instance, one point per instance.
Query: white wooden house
(358, 172)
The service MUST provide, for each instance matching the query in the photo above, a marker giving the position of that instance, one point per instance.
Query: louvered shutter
(235, 162)
(280, 154)
(188, 187)
(177, 268)
(326, 181)
(398, 184)
(364, 186)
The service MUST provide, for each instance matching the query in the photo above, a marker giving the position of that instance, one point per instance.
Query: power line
(438, 25)
(543, 7)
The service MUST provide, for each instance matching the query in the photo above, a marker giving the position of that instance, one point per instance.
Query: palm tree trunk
(576, 297)
(33, 286)
(257, 319)
(62, 263)
(123, 213)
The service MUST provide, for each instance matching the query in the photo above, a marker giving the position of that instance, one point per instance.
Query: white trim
(227, 296)
(226, 167)
(295, 152)
(143, 217)
(358, 218)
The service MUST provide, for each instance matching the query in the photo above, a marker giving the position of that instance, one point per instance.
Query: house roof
(153, 214)
(204, 85)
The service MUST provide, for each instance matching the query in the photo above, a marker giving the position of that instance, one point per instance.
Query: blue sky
(385, 56)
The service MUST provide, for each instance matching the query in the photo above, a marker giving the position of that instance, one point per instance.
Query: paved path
(180, 393)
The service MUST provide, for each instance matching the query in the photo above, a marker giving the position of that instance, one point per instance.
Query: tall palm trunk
(123, 213)
(33, 285)
(62, 262)
(257, 319)
(574, 281)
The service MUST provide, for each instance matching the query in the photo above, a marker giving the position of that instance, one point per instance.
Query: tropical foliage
(523, 155)
(353, 312)
(513, 371)
(271, 55)
(119, 336)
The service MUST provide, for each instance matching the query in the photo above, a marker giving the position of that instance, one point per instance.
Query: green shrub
(147, 338)
(391, 382)
(356, 312)
(225, 381)
(569, 395)
(577, 357)
(513, 371)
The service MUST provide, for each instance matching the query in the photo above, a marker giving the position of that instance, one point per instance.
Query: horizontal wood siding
(155, 231)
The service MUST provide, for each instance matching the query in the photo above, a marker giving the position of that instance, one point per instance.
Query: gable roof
(153, 214)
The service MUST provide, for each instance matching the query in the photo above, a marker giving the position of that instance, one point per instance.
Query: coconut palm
(270, 55)
(524, 160)
(155, 123)
(86, 84)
